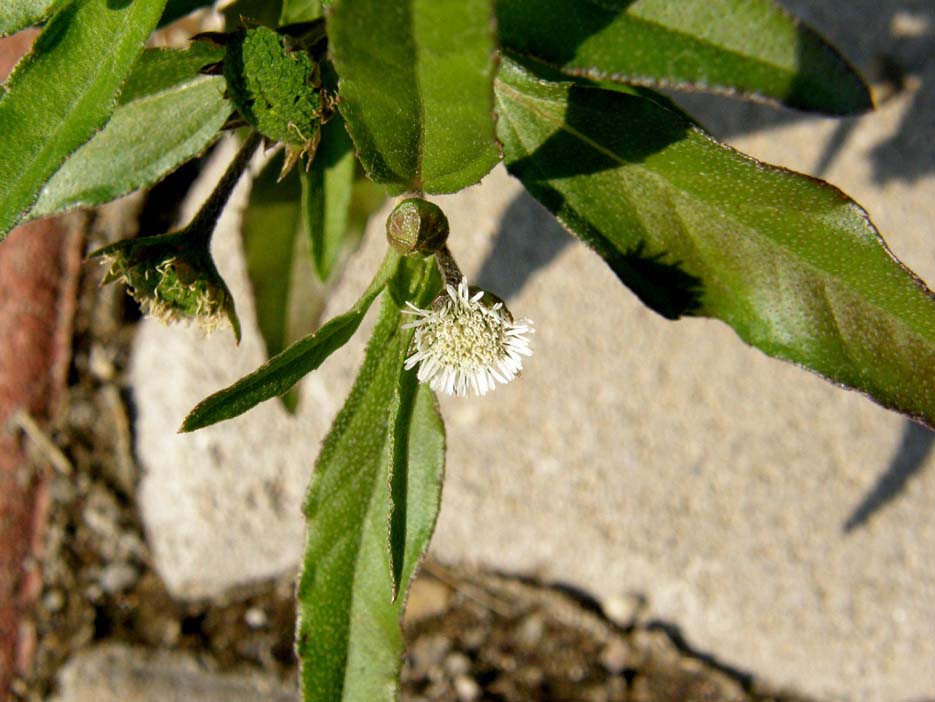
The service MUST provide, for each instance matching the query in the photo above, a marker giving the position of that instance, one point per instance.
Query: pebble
(255, 618)
(531, 630)
(467, 688)
(624, 610)
(428, 653)
(457, 664)
(117, 577)
(615, 657)
(53, 600)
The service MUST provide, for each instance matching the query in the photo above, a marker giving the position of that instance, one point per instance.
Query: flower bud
(172, 278)
(417, 226)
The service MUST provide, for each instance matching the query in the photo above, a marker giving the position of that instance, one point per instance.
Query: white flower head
(466, 342)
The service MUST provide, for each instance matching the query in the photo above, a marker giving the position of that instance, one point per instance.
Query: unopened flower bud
(417, 226)
(172, 278)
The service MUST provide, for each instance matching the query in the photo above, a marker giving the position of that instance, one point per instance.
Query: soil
(472, 635)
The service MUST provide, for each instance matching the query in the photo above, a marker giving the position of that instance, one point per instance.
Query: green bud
(173, 278)
(276, 88)
(417, 226)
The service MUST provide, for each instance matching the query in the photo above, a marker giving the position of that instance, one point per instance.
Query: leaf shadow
(515, 257)
(915, 446)
(596, 145)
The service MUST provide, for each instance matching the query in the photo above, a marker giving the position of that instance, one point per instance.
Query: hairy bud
(172, 279)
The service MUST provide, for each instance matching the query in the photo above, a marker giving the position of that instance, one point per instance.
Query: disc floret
(467, 342)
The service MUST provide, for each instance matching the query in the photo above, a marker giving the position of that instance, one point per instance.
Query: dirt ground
(472, 635)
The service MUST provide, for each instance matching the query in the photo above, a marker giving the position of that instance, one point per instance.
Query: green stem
(203, 224)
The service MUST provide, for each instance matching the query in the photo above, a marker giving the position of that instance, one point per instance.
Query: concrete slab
(118, 673)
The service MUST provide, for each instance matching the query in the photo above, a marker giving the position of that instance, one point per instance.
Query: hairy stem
(203, 224)
(451, 274)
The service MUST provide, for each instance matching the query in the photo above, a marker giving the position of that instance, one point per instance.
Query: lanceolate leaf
(151, 133)
(416, 89)
(161, 70)
(350, 643)
(294, 11)
(19, 14)
(326, 197)
(286, 369)
(748, 47)
(65, 90)
(693, 227)
(271, 224)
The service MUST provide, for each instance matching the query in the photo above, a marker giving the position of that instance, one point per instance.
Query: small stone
(256, 618)
(467, 688)
(117, 673)
(474, 638)
(53, 600)
(428, 653)
(457, 664)
(117, 577)
(624, 610)
(101, 363)
(531, 630)
(615, 657)
(427, 598)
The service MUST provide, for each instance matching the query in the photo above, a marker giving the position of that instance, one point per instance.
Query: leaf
(694, 227)
(151, 133)
(295, 11)
(416, 89)
(284, 370)
(326, 197)
(65, 90)
(160, 70)
(16, 15)
(349, 639)
(749, 47)
(270, 226)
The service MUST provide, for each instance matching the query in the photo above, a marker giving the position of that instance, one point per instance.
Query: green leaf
(161, 70)
(350, 644)
(64, 91)
(748, 47)
(327, 188)
(416, 89)
(271, 224)
(20, 14)
(153, 131)
(295, 11)
(694, 227)
(284, 370)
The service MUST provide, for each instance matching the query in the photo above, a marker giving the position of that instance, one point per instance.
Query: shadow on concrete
(892, 43)
(514, 257)
(661, 285)
(916, 445)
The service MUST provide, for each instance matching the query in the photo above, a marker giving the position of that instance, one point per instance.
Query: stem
(203, 224)
(451, 274)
